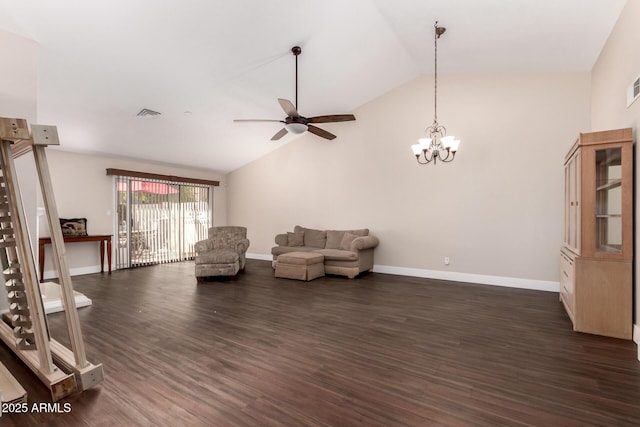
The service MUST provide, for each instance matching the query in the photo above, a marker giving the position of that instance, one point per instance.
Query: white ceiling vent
(633, 92)
(145, 112)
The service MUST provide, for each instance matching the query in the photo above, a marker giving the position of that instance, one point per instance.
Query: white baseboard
(262, 257)
(510, 282)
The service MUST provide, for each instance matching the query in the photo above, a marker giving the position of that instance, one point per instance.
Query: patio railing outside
(155, 226)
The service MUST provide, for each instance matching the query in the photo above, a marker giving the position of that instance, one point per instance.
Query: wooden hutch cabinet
(596, 272)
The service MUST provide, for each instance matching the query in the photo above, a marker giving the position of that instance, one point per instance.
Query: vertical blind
(159, 221)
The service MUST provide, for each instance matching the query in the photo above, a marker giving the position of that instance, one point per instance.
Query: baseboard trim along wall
(509, 282)
(262, 257)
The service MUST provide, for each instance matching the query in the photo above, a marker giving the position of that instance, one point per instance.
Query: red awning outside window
(148, 187)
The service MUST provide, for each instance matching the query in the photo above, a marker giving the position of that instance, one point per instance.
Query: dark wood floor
(379, 350)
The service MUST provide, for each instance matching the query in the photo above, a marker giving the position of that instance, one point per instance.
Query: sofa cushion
(313, 238)
(337, 255)
(360, 232)
(334, 237)
(347, 239)
(278, 250)
(281, 239)
(217, 257)
(295, 239)
(348, 263)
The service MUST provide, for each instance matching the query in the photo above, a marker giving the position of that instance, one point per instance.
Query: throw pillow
(73, 226)
(360, 232)
(295, 238)
(347, 239)
(315, 238)
(334, 237)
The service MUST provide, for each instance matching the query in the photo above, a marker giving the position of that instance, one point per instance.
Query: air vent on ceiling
(633, 91)
(145, 112)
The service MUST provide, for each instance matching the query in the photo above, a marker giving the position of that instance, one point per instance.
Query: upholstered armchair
(223, 253)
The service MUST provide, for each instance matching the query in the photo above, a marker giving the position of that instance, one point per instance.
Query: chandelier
(437, 145)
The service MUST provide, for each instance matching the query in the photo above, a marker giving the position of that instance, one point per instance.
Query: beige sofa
(346, 252)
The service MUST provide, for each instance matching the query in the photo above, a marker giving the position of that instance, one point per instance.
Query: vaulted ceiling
(203, 63)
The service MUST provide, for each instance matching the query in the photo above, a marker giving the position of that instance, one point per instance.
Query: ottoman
(300, 266)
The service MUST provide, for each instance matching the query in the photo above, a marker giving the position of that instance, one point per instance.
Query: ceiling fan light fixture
(295, 123)
(296, 128)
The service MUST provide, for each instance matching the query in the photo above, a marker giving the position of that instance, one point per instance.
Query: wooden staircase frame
(61, 369)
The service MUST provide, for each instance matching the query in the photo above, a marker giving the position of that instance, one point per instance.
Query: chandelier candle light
(437, 144)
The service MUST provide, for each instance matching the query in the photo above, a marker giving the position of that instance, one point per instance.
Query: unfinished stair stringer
(30, 339)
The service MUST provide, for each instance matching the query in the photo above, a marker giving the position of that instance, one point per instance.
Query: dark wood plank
(172, 178)
(380, 350)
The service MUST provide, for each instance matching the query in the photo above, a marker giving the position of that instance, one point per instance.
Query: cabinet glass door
(609, 200)
(572, 207)
(572, 198)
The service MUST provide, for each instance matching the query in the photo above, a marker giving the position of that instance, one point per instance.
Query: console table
(106, 238)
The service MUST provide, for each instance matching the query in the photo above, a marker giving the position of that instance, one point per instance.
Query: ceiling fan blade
(320, 132)
(288, 107)
(282, 132)
(332, 118)
(257, 120)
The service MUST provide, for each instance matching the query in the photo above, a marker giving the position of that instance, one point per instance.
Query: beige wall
(18, 99)
(617, 66)
(18, 77)
(495, 211)
(18, 94)
(82, 189)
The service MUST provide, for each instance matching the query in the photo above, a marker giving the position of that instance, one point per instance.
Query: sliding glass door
(159, 221)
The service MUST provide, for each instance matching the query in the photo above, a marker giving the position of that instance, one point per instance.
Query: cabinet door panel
(572, 203)
(608, 195)
(567, 282)
(578, 203)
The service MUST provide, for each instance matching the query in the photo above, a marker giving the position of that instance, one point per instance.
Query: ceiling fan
(294, 122)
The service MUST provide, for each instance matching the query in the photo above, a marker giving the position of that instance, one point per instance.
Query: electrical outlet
(446, 260)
